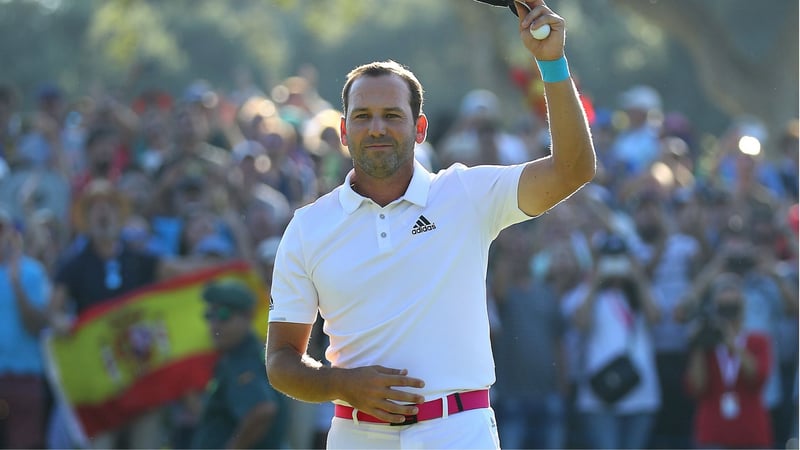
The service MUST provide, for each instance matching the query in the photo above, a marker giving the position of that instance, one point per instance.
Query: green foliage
(453, 45)
(135, 44)
(126, 31)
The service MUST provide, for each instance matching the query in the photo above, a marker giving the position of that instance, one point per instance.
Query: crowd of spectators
(207, 176)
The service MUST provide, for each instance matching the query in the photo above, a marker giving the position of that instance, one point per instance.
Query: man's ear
(343, 131)
(422, 128)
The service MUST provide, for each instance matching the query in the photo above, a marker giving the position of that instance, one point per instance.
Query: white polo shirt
(403, 286)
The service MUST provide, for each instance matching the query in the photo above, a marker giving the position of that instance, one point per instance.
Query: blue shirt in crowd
(20, 351)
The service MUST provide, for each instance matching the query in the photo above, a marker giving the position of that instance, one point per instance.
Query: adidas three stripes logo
(422, 225)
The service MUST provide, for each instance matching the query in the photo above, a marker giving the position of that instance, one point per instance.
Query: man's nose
(377, 127)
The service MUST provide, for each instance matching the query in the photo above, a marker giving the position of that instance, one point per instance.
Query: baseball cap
(480, 102)
(200, 91)
(641, 97)
(231, 294)
(501, 3)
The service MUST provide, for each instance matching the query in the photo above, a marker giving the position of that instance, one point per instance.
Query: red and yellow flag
(142, 350)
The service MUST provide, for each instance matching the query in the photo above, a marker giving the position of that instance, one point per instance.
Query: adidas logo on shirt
(422, 226)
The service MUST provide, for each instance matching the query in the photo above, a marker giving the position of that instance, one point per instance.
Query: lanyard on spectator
(728, 365)
(624, 311)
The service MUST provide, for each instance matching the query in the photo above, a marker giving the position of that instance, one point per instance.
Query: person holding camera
(618, 395)
(727, 371)
(768, 299)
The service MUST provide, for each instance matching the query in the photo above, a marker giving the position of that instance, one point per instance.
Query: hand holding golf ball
(541, 33)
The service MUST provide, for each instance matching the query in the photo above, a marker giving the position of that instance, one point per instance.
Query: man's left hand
(549, 48)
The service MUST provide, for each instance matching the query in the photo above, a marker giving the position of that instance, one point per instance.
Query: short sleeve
(494, 192)
(293, 297)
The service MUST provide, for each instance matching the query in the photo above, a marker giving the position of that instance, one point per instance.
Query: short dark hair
(381, 68)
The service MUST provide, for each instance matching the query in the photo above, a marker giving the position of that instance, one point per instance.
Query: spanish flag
(140, 351)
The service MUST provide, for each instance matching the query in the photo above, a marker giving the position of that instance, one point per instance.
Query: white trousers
(474, 429)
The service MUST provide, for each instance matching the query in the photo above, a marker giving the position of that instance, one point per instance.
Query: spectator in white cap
(477, 136)
(637, 146)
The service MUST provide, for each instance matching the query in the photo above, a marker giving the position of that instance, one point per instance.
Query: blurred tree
(137, 44)
(710, 59)
(123, 32)
(727, 45)
(40, 44)
(745, 54)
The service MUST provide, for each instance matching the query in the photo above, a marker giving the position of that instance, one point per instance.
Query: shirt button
(383, 234)
(382, 216)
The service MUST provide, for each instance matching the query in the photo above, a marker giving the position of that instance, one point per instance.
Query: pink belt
(460, 401)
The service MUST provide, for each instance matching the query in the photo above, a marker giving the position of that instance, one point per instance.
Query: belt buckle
(409, 421)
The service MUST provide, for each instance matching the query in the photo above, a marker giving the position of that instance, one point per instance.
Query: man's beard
(381, 165)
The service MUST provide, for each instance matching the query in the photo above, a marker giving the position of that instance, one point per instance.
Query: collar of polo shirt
(417, 192)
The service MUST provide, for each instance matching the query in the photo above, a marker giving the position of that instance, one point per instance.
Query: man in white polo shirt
(394, 260)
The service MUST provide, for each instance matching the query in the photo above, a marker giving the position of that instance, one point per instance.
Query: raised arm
(571, 163)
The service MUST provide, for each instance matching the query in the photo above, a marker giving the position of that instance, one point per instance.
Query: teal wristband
(554, 71)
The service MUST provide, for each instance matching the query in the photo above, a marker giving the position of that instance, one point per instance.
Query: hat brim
(501, 3)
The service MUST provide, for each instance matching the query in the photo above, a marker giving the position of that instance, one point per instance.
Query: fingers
(538, 16)
(398, 377)
(523, 6)
(403, 396)
(522, 9)
(372, 390)
(390, 371)
(393, 412)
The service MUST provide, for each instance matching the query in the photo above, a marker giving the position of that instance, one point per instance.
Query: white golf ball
(541, 33)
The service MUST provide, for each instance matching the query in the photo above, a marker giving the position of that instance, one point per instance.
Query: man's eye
(393, 116)
(360, 116)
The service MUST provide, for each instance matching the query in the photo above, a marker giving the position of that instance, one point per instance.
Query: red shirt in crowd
(750, 426)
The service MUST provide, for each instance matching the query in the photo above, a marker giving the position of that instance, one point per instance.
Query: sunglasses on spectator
(218, 314)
